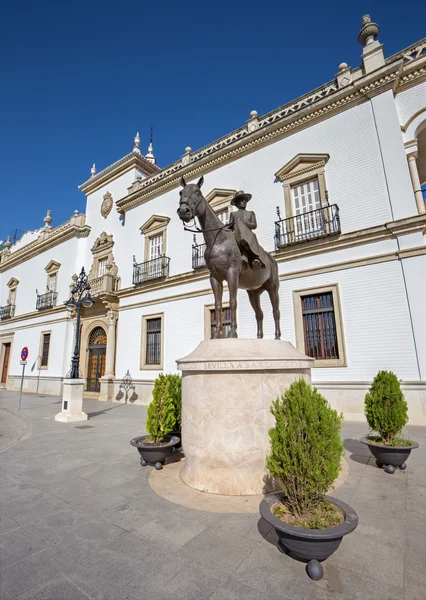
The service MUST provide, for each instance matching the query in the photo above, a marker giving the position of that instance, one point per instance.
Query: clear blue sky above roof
(79, 81)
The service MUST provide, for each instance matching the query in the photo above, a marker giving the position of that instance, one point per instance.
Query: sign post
(24, 356)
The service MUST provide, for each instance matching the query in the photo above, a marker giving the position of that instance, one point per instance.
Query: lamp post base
(72, 402)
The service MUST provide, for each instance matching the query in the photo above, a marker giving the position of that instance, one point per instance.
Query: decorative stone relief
(107, 204)
(103, 242)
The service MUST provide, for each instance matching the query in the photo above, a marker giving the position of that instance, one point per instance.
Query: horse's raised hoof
(260, 336)
(232, 334)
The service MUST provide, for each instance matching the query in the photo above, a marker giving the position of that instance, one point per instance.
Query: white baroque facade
(345, 166)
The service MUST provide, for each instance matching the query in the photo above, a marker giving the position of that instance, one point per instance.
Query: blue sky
(79, 79)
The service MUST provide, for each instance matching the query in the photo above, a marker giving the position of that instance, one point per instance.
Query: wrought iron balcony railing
(307, 226)
(198, 251)
(7, 312)
(150, 269)
(46, 300)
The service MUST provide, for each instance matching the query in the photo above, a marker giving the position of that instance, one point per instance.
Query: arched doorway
(97, 356)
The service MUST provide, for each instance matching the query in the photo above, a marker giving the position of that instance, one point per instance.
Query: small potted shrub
(306, 450)
(175, 382)
(155, 447)
(386, 412)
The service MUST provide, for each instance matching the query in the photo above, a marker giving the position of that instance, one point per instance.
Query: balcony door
(97, 359)
(306, 202)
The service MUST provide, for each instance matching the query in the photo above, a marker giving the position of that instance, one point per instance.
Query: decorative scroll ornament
(106, 205)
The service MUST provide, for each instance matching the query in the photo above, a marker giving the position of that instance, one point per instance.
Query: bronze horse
(225, 262)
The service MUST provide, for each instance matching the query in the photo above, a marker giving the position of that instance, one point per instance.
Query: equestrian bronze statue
(234, 255)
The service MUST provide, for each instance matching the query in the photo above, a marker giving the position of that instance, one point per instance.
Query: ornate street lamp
(80, 296)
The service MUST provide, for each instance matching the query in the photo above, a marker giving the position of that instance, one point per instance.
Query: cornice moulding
(128, 162)
(301, 250)
(57, 236)
(271, 128)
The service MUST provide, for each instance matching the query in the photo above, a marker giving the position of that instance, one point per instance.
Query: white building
(344, 164)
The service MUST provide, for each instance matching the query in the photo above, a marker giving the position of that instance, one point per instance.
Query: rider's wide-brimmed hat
(240, 196)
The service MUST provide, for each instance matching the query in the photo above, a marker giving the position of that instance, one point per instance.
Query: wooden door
(5, 363)
(96, 368)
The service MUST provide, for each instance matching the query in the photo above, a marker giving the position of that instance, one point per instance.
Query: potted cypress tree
(306, 450)
(386, 412)
(155, 447)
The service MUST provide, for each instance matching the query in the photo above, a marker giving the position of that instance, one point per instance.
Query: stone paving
(78, 521)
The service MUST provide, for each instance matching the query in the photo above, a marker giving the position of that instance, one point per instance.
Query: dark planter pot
(154, 455)
(309, 545)
(178, 434)
(390, 456)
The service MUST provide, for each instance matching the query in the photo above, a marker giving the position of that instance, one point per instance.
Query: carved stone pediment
(155, 223)
(103, 242)
(220, 198)
(300, 164)
(52, 267)
(107, 204)
(12, 283)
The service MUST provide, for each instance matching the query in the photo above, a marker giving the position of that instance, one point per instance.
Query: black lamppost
(76, 301)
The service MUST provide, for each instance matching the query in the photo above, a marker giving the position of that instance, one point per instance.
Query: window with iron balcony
(309, 214)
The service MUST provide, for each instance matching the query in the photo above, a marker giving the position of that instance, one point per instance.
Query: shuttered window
(226, 321)
(319, 326)
(153, 341)
(45, 350)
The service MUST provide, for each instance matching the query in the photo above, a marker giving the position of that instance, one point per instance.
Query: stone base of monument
(72, 402)
(228, 386)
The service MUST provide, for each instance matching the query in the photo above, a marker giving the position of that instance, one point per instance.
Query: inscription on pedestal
(249, 365)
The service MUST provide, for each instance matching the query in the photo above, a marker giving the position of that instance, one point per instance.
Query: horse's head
(191, 200)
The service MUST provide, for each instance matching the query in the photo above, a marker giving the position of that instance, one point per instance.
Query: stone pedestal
(228, 386)
(72, 402)
(107, 388)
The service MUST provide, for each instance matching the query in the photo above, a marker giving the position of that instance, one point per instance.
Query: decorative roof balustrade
(7, 312)
(411, 53)
(151, 269)
(307, 226)
(47, 300)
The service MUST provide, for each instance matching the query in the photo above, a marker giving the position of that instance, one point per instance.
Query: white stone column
(412, 164)
(107, 381)
(112, 316)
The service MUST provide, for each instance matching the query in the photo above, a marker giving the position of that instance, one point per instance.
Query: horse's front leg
(232, 278)
(217, 287)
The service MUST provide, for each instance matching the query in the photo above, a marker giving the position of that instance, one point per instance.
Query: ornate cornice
(74, 228)
(128, 162)
(302, 250)
(318, 105)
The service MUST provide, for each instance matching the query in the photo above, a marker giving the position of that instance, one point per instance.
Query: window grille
(319, 326)
(226, 321)
(45, 350)
(153, 341)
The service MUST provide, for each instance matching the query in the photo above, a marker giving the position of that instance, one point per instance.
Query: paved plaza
(80, 521)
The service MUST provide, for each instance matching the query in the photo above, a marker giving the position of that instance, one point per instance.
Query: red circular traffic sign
(24, 353)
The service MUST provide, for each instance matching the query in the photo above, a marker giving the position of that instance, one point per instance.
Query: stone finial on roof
(150, 156)
(253, 122)
(93, 170)
(7, 245)
(188, 150)
(137, 141)
(369, 31)
(48, 221)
